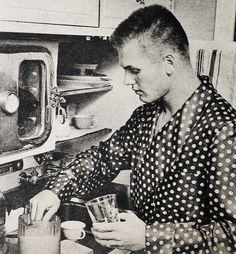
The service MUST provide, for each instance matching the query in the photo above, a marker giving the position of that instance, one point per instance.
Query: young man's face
(147, 78)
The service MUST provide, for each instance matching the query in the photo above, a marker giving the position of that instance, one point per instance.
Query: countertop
(88, 241)
(75, 211)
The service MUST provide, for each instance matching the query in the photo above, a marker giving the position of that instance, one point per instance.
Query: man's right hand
(44, 201)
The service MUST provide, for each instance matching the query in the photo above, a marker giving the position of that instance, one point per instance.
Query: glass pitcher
(39, 236)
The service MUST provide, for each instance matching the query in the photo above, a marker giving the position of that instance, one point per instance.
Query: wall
(197, 17)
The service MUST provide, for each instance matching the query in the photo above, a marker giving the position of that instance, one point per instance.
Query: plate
(92, 79)
(65, 84)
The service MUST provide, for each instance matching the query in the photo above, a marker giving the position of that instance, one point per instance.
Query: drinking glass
(103, 209)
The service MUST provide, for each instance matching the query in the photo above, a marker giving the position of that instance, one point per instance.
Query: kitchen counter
(88, 241)
(78, 211)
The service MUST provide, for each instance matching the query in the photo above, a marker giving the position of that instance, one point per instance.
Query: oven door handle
(61, 115)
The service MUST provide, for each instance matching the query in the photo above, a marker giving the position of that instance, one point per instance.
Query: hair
(155, 28)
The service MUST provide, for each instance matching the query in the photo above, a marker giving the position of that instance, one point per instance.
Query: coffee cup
(73, 229)
(84, 121)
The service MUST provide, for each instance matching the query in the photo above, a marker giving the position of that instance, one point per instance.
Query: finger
(102, 242)
(109, 244)
(123, 216)
(126, 216)
(107, 235)
(39, 212)
(105, 227)
(33, 209)
(48, 215)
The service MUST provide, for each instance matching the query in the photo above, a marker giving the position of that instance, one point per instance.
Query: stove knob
(9, 102)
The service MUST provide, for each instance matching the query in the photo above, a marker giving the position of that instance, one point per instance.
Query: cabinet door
(113, 11)
(59, 12)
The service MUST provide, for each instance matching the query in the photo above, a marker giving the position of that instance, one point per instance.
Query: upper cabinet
(67, 17)
(202, 19)
(113, 11)
(63, 12)
(48, 16)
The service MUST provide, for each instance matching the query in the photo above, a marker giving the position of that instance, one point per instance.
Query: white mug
(84, 121)
(73, 230)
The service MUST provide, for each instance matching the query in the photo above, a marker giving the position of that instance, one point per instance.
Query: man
(180, 146)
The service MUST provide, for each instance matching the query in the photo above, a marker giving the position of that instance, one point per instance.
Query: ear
(169, 61)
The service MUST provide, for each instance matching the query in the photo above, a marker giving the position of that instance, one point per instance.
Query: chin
(145, 99)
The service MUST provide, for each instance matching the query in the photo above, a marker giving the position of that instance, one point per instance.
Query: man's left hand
(128, 234)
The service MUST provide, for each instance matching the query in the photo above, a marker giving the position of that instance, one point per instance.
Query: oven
(27, 82)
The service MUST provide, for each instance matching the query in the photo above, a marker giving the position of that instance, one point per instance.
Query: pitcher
(39, 236)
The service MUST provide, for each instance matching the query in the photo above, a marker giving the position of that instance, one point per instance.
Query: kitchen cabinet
(113, 11)
(82, 93)
(79, 98)
(100, 95)
(63, 12)
(202, 19)
(47, 16)
(67, 17)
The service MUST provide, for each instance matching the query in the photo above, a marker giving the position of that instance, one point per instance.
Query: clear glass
(103, 209)
(39, 236)
(32, 78)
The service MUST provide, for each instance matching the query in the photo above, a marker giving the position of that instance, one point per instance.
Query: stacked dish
(67, 82)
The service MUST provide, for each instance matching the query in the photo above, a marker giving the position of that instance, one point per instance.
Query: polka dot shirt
(182, 177)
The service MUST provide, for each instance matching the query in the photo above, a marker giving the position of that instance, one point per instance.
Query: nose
(129, 79)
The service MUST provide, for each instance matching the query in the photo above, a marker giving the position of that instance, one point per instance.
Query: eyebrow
(127, 67)
(130, 67)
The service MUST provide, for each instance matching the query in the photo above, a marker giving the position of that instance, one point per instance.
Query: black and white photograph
(118, 127)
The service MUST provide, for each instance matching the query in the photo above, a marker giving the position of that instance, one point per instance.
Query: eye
(135, 71)
(132, 70)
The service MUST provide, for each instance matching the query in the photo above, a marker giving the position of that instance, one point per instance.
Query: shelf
(80, 133)
(83, 142)
(85, 90)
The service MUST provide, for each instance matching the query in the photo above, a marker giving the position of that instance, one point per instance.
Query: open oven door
(26, 81)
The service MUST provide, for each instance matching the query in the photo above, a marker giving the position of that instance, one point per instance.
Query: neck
(182, 84)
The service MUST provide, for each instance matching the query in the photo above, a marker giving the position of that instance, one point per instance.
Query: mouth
(139, 92)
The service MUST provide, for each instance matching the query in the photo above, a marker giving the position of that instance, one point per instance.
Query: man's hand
(129, 234)
(45, 201)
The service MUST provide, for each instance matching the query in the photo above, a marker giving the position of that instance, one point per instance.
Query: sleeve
(101, 163)
(219, 236)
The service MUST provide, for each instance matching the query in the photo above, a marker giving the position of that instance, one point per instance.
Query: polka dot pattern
(182, 177)
(160, 238)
